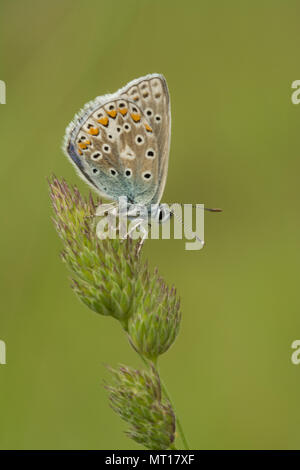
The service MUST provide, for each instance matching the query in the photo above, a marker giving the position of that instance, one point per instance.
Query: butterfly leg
(143, 238)
(134, 226)
(138, 222)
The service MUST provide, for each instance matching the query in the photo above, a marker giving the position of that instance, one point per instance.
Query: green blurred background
(235, 144)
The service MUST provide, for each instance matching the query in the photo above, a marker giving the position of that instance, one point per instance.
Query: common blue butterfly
(119, 142)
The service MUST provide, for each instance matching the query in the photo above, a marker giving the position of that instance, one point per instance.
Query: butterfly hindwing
(120, 144)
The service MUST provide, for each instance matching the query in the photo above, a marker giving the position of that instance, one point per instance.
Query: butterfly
(120, 142)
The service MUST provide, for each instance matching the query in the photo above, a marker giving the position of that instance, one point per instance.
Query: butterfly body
(119, 143)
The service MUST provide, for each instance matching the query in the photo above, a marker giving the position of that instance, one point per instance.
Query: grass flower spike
(136, 397)
(154, 325)
(111, 279)
(107, 272)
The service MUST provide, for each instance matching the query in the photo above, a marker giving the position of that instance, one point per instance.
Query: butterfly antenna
(186, 226)
(213, 209)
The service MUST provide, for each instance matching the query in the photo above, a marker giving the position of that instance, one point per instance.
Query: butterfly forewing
(151, 94)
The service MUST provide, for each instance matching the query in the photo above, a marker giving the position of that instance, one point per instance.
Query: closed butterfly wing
(120, 146)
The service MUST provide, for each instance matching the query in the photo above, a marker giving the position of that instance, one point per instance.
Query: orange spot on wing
(136, 117)
(79, 151)
(103, 121)
(147, 127)
(84, 145)
(112, 113)
(93, 131)
(123, 111)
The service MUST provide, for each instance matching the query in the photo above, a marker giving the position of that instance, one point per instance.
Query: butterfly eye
(163, 214)
(157, 118)
(106, 148)
(150, 153)
(110, 136)
(139, 139)
(127, 127)
(147, 175)
(113, 172)
(122, 105)
(119, 129)
(128, 173)
(95, 171)
(96, 156)
(149, 112)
